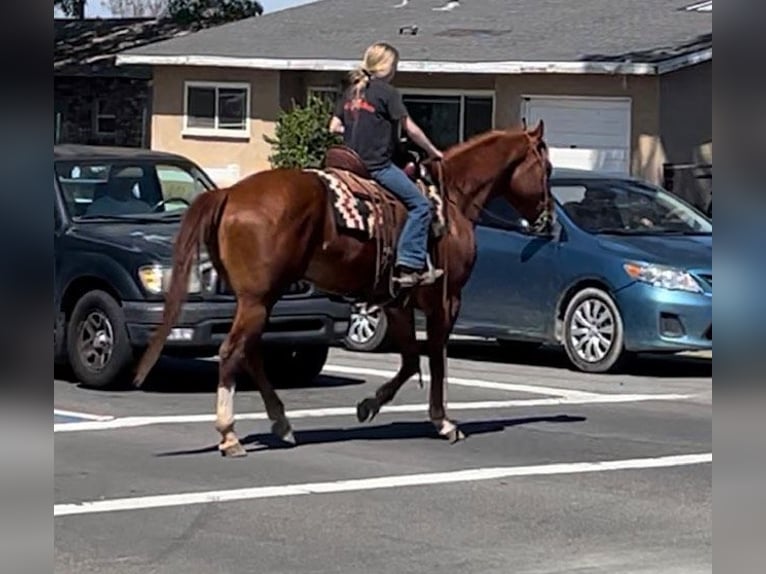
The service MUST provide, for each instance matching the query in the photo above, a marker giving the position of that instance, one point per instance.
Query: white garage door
(584, 133)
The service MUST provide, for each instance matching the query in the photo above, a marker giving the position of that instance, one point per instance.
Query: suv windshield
(627, 207)
(128, 189)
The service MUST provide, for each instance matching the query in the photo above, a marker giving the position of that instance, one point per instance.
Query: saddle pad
(353, 205)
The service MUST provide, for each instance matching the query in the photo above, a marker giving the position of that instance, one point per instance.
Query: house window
(105, 118)
(217, 109)
(446, 119)
(449, 119)
(328, 93)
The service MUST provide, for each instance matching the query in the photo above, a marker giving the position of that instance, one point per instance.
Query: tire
(592, 315)
(367, 329)
(295, 366)
(98, 346)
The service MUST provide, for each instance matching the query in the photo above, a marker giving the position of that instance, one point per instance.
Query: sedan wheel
(593, 331)
(368, 328)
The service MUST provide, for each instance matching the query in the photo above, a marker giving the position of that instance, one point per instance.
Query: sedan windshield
(628, 207)
(128, 190)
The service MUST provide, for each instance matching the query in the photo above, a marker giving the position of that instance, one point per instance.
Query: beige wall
(217, 154)
(647, 154)
(663, 123)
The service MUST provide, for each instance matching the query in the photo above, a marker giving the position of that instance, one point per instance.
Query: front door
(515, 283)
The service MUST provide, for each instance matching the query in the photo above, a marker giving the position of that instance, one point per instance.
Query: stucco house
(622, 85)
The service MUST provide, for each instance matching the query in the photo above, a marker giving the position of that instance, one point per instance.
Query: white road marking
(517, 387)
(79, 415)
(397, 481)
(140, 421)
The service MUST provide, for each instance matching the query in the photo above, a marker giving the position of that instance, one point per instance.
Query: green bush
(301, 136)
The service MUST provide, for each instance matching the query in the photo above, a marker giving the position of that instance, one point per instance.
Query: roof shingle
(475, 31)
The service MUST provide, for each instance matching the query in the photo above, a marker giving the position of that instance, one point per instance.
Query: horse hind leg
(231, 355)
(401, 325)
(275, 409)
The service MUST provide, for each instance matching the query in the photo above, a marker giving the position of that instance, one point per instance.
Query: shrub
(301, 136)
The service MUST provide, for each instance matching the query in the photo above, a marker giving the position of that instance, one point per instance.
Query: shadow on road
(390, 431)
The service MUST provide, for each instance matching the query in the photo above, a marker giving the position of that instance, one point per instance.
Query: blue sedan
(627, 269)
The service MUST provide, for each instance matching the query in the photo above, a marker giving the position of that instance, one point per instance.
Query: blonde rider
(368, 115)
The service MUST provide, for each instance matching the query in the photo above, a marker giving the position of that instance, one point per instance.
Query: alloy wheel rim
(96, 341)
(592, 330)
(364, 322)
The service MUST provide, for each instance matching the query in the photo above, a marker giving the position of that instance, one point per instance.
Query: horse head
(511, 163)
(528, 187)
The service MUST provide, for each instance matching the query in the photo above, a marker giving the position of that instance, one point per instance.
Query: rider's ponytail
(379, 60)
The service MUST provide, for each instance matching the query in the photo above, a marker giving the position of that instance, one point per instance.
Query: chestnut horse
(275, 227)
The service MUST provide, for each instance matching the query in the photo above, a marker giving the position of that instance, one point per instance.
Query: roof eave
(508, 67)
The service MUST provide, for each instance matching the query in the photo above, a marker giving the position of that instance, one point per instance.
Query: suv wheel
(593, 331)
(294, 366)
(368, 329)
(98, 347)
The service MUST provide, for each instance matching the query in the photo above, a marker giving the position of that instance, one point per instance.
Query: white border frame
(524, 102)
(217, 132)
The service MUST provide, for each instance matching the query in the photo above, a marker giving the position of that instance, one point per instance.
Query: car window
(627, 206)
(126, 188)
(500, 214)
(178, 183)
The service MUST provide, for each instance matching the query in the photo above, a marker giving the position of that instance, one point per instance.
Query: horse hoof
(283, 431)
(366, 410)
(451, 432)
(235, 450)
(455, 435)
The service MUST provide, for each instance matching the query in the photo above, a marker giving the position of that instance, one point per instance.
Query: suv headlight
(662, 276)
(156, 279)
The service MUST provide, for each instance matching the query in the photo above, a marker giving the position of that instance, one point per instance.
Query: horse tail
(199, 224)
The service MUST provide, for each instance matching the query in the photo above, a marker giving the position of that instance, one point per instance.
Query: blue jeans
(412, 248)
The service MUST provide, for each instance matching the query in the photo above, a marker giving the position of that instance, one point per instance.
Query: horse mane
(492, 148)
(471, 144)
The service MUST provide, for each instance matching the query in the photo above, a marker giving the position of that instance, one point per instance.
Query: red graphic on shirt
(356, 104)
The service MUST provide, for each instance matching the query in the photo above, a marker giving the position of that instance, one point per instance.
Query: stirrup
(414, 279)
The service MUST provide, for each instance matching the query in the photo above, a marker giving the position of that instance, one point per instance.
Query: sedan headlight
(662, 276)
(156, 279)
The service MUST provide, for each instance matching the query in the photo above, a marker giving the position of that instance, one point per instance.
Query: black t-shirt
(371, 122)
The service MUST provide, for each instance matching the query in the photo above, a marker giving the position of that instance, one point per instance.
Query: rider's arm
(421, 139)
(336, 125)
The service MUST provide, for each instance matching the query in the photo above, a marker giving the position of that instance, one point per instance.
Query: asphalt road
(139, 481)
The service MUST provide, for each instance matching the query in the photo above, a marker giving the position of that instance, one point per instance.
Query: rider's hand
(436, 154)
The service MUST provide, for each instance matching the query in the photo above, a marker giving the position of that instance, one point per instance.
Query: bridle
(543, 222)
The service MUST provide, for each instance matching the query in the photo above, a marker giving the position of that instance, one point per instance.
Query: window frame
(322, 89)
(217, 131)
(462, 95)
(99, 115)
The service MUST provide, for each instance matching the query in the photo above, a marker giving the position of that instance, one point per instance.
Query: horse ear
(539, 130)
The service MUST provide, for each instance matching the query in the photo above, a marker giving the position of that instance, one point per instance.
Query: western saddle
(346, 164)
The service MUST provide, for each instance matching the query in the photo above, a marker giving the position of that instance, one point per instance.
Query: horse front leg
(439, 324)
(401, 328)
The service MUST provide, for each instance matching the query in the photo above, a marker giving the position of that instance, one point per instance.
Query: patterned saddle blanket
(357, 202)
